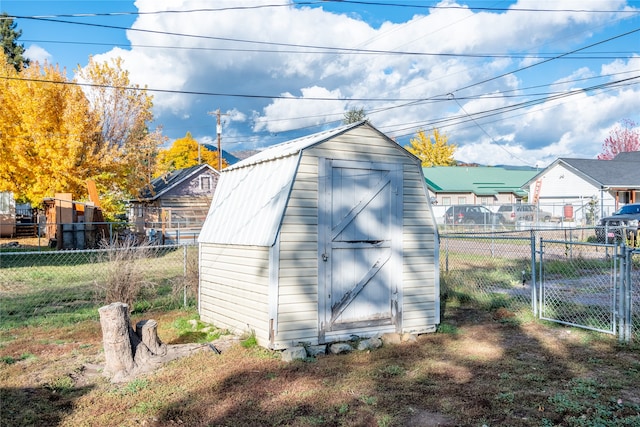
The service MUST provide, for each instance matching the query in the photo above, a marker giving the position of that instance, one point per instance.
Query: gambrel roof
(251, 195)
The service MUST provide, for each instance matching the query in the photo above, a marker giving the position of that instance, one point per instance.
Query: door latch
(325, 257)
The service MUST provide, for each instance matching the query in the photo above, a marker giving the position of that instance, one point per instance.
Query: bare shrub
(124, 272)
(188, 286)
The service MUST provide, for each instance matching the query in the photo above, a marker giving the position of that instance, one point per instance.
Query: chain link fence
(493, 268)
(632, 297)
(578, 284)
(561, 275)
(564, 276)
(68, 286)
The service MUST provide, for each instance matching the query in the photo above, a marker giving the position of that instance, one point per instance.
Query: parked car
(523, 212)
(623, 223)
(470, 215)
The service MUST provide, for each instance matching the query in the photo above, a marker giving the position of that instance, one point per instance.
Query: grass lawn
(484, 367)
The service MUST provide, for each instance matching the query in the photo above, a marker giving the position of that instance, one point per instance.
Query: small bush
(124, 279)
(250, 341)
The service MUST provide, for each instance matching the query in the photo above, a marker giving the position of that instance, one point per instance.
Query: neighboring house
(7, 214)
(320, 239)
(585, 189)
(175, 204)
(477, 185)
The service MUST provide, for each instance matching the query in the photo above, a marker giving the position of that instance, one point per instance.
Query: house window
(205, 183)
(5, 203)
(462, 200)
(446, 201)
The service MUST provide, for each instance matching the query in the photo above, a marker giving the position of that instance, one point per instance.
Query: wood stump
(131, 352)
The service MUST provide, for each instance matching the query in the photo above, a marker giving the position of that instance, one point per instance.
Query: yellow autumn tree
(47, 134)
(124, 113)
(432, 149)
(184, 153)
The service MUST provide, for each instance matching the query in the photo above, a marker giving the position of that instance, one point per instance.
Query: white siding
(233, 288)
(298, 275)
(361, 144)
(421, 299)
(560, 183)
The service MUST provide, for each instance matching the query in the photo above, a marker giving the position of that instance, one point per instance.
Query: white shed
(319, 239)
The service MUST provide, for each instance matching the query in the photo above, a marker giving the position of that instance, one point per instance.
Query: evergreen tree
(354, 115)
(8, 38)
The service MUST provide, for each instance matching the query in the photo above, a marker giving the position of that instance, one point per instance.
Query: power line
(583, 56)
(548, 60)
(489, 9)
(411, 101)
(397, 5)
(332, 49)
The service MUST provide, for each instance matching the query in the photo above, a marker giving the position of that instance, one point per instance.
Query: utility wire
(295, 45)
(583, 56)
(359, 51)
(466, 7)
(420, 6)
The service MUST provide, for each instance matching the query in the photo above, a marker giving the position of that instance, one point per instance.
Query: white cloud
(277, 116)
(218, 64)
(36, 53)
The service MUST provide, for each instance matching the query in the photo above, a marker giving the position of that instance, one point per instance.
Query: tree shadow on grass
(488, 368)
(38, 406)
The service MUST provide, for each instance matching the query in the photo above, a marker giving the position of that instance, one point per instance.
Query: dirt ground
(491, 368)
(24, 243)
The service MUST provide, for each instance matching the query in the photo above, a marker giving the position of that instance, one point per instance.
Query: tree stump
(128, 352)
(116, 339)
(147, 331)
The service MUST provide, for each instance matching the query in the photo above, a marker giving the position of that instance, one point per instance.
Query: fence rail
(38, 286)
(566, 276)
(561, 275)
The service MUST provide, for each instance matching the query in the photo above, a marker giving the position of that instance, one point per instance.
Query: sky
(508, 82)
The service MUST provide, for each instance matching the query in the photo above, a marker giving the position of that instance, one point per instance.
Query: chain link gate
(587, 286)
(563, 278)
(629, 325)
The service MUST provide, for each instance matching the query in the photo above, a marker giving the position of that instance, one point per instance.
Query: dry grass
(124, 281)
(488, 368)
(25, 243)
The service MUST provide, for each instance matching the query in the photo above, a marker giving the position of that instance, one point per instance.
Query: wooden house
(319, 239)
(175, 205)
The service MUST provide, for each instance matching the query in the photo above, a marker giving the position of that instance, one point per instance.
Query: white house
(567, 186)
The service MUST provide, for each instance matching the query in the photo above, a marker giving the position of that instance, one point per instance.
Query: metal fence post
(184, 274)
(446, 255)
(534, 282)
(624, 290)
(540, 280)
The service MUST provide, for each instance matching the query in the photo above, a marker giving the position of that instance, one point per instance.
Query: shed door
(360, 230)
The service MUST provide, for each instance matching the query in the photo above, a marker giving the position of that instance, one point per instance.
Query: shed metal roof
(251, 195)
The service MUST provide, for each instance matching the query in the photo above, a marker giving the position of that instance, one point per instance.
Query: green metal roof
(480, 180)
